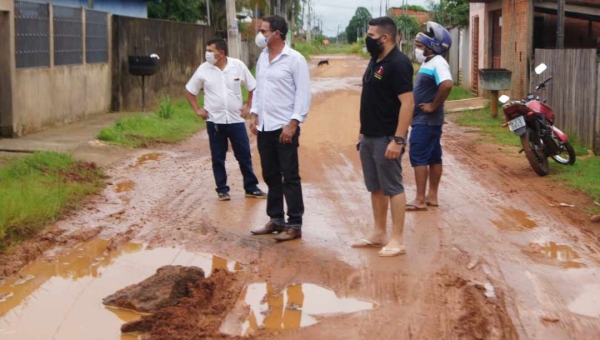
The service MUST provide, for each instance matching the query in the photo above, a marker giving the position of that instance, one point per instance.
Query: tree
(175, 10)
(450, 13)
(359, 23)
(408, 26)
(414, 8)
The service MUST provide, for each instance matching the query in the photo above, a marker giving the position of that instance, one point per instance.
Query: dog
(323, 62)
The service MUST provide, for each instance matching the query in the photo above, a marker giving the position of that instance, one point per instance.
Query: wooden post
(494, 104)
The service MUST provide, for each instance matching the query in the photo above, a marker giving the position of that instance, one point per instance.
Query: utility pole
(309, 28)
(208, 11)
(233, 33)
(337, 37)
(560, 25)
(380, 4)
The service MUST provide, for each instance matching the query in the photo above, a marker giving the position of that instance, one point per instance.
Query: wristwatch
(400, 140)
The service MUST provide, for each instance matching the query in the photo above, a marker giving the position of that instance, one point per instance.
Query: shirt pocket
(234, 82)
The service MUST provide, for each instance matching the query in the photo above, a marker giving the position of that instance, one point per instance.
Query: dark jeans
(218, 135)
(281, 172)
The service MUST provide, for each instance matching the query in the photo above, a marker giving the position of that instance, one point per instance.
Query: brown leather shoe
(289, 234)
(269, 228)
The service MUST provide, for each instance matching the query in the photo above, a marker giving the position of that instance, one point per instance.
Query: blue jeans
(219, 136)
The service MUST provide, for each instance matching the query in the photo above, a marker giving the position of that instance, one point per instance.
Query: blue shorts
(425, 148)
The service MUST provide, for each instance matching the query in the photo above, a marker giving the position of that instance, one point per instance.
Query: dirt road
(494, 261)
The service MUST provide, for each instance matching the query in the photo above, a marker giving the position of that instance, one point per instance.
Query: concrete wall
(47, 97)
(57, 95)
(465, 59)
(180, 47)
(7, 66)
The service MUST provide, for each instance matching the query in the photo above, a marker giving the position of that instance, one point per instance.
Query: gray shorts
(379, 172)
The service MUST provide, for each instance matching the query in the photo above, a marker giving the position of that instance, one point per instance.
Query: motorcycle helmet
(436, 38)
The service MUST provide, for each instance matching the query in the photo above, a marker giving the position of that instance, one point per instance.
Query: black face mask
(374, 47)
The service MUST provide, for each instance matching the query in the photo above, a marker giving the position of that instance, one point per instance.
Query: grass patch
(307, 49)
(490, 127)
(38, 189)
(172, 123)
(459, 93)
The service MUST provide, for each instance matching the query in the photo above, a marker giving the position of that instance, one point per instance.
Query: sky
(339, 12)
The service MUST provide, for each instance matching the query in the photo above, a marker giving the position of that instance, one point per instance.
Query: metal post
(143, 93)
(560, 23)
(208, 11)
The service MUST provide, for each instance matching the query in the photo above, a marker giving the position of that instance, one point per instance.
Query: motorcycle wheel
(560, 159)
(535, 156)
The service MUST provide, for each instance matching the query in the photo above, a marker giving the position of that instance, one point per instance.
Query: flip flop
(390, 252)
(412, 207)
(364, 243)
(432, 204)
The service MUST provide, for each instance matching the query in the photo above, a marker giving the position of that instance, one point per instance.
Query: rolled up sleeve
(303, 96)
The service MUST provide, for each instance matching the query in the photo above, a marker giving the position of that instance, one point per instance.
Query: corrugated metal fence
(32, 34)
(574, 92)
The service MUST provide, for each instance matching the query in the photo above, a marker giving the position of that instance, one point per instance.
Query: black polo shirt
(383, 82)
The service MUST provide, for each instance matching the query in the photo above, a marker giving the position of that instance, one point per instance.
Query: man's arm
(406, 113)
(301, 76)
(442, 94)
(192, 88)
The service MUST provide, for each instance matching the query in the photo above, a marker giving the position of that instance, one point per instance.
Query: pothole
(300, 305)
(124, 186)
(62, 295)
(514, 220)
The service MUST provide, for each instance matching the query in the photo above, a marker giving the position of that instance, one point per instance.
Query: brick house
(505, 34)
(421, 16)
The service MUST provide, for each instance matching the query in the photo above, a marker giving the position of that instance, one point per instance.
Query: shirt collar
(228, 65)
(389, 56)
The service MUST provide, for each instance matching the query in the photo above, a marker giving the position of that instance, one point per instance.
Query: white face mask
(210, 57)
(420, 55)
(261, 41)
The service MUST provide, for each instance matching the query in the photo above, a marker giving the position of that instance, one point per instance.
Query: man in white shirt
(281, 105)
(220, 77)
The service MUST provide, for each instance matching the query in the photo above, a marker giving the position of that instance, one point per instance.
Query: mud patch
(124, 186)
(554, 254)
(197, 316)
(32, 249)
(145, 158)
(471, 311)
(81, 172)
(514, 220)
(261, 308)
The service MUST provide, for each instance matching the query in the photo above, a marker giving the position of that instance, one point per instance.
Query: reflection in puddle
(588, 303)
(62, 299)
(514, 220)
(564, 254)
(125, 186)
(260, 307)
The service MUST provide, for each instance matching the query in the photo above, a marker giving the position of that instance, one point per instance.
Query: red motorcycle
(533, 121)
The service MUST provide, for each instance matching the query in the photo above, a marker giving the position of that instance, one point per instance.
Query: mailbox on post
(495, 79)
(143, 65)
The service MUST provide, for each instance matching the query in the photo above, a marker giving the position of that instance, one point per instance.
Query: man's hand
(394, 150)
(202, 113)
(288, 133)
(245, 111)
(253, 123)
(427, 108)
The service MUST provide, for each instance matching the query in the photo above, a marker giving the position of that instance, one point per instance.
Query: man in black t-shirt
(386, 111)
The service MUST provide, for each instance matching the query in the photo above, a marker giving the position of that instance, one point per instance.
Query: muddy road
(494, 261)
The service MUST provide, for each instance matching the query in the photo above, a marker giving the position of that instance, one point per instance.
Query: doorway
(5, 81)
(475, 57)
(496, 39)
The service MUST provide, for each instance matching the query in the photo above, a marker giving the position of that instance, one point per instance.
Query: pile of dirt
(81, 172)
(184, 304)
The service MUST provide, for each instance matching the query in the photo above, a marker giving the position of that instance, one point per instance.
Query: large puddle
(300, 305)
(62, 299)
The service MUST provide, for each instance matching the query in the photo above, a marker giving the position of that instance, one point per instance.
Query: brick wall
(422, 17)
(516, 43)
(576, 33)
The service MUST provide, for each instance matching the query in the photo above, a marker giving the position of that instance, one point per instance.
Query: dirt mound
(192, 311)
(163, 289)
(81, 172)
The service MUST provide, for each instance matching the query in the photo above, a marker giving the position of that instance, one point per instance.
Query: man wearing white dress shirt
(221, 77)
(282, 101)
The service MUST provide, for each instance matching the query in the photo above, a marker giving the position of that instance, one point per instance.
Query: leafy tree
(408, 26)
(450, 13)
(414, 8)
(359, 22)
(175, 10)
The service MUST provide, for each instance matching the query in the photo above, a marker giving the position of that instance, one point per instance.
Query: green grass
(459, 93)
(36, 190)
(490, 127)
(584, 175)
(178, 124)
